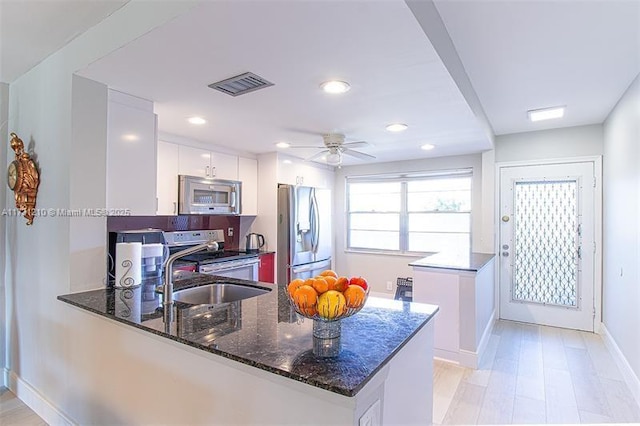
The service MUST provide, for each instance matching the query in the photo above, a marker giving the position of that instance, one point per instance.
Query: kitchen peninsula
(462, 285)
(252, 361)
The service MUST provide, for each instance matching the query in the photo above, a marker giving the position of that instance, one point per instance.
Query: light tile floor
(15, 412)
(535, 374)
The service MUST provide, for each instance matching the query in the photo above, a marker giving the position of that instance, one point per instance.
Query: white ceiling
(523, 55)
(378, 47)
(518, 55)
(30, 30)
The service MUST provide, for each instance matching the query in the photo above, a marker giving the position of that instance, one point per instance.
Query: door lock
(505, 218)
(505, 254)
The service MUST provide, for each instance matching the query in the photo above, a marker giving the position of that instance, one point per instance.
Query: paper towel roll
(128, 303)
(128, 264)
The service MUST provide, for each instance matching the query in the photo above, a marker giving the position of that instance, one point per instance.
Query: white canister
(128, 264)
(153, 258)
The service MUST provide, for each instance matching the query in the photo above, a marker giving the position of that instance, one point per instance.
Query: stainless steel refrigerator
(304, 232)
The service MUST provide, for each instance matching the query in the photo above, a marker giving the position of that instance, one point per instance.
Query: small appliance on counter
(145, 254)
(227, 263)
(254, 242)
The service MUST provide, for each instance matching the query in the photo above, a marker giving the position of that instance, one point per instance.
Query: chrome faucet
(167, 288)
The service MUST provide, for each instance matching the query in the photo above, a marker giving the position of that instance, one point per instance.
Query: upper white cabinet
(248, 175)
(294, 171)
(131, 154)
(167, 178)
(201, 162)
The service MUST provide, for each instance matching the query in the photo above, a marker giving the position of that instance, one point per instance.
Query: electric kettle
(254, 242)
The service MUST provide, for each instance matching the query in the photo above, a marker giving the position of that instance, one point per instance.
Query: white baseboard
(35, 400)
(629, 375)
(472, 359)
(5, 377)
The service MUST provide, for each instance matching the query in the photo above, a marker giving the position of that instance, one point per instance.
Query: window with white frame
(409, 213)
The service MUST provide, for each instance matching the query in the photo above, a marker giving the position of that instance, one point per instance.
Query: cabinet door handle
(175, 206)
(213, 172)
(206, 170)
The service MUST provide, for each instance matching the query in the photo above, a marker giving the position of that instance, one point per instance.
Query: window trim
(403, 178)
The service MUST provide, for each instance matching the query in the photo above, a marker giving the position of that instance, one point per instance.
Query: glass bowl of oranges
(327, 298)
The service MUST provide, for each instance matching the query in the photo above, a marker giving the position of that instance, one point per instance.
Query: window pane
(375, 221)
(443, 201)
(374, 188)
(374, 240)
(374, 202)
(444, 194)
(435, 242)
(440, 222)
(441, 184)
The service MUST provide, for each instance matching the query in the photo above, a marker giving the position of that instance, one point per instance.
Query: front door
(547, 244)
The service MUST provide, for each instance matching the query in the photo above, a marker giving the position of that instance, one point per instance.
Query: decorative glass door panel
(545, 268)
(546, 244)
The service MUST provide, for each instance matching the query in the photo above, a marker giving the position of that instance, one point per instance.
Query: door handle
(505, 254)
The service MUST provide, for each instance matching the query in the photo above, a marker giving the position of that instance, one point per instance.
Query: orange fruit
(329, 273)
(305, 296)
(308, 310)
(293, 285)
(354, 296)
(331, 304)
(320, 284)
(331, 281)
(341, 284)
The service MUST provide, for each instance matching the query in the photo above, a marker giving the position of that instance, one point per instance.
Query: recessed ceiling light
(335, 86)
(427, 147)
(396, 127)
(131, 137)
(283, 145)
(196, 120)
(286, 161)
(546, 113)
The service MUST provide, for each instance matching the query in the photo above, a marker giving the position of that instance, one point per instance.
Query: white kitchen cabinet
(248, 175)
(131, 154)
(167, 191)
(205, 163)
(295, 171)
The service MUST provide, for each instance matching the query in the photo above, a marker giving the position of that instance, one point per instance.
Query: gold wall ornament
(23, 179)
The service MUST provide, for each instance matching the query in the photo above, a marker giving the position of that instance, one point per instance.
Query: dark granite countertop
(266, 333)
(468, 261)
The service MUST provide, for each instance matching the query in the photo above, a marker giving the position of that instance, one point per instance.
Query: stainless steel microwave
(197, 195)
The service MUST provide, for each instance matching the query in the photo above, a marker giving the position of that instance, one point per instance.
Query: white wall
(4, 141)
(546, 144)
(57, 255)
(380, 268)
(621, 228)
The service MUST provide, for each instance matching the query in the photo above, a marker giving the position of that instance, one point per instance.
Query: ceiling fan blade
(318, 155)
(358, 144)
(307, 146)
(357, 154)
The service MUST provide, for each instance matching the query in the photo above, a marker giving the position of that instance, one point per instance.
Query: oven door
(244, 269)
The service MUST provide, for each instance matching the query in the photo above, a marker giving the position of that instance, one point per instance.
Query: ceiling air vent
(241, 84)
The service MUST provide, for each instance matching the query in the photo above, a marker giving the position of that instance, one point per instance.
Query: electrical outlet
(230, 232)
(389, 285)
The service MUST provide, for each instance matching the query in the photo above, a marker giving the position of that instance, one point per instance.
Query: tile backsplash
(179, 223)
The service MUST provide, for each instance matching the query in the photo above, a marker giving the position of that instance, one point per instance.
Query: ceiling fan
(336, 147)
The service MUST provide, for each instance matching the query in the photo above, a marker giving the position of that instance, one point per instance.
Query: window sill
(390, 253)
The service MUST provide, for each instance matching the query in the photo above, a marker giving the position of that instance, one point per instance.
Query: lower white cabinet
(167, 191)
(131, 154)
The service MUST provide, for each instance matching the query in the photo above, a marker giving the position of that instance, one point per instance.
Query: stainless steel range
(226, 263)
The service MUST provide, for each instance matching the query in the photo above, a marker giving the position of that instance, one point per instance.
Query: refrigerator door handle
(310, 267)
(300, 269)
(315, 223)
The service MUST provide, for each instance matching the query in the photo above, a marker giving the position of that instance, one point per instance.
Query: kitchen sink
(214, 294)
